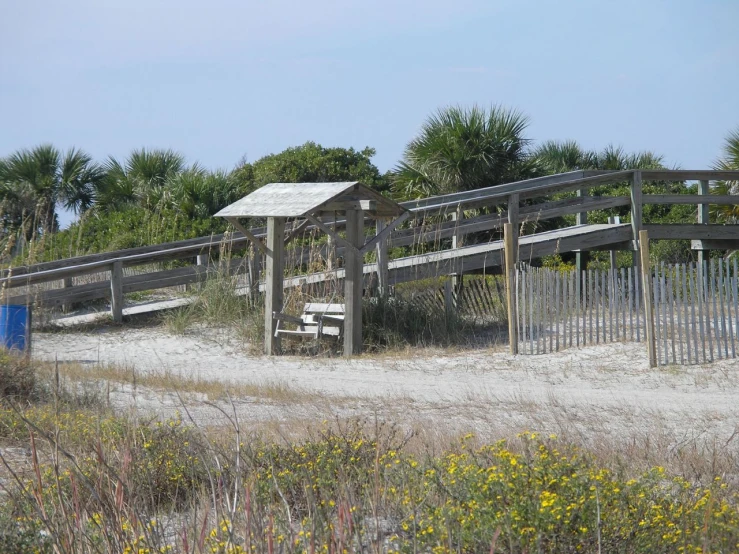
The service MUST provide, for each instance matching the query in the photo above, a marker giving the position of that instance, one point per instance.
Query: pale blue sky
(219, 80)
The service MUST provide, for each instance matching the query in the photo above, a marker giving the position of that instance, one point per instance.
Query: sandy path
(603, 389)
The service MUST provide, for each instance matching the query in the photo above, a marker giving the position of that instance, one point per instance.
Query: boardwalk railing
(438, 223)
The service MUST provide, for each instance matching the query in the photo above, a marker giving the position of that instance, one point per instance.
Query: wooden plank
(697, 301)
(630, 297)
(323, 308)
(676, 293)
(568, 206)
(116, 291)
(353, 284)
(333, 234)
(706, 297)
(716, 328)
(647, 290)
(557, 286)
(688, 175)
(570, 300)
(382, 235)
(498, 191)
(688, 231)
(722, 313)
(686, 314)
(381, 251)
(696, 199)
(671, 297)
(274, 273)
(730, 244)
(657, 318)
(248, 234)
(727, 284)
(735, 294)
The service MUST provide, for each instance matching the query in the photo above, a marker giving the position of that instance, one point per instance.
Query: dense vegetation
(157, 196)
(100, 482)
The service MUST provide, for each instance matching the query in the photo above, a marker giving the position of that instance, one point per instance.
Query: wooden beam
(698, 199)
(384, 234)
(248, 234)
(382, 259)
(274, 276)
(726, 244)
(331, 233)
(692, 231)
(689, 175)
(295, 231)
(353, 281)
(646, 288)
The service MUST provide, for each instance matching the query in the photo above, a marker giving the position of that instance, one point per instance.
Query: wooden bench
(317, 320)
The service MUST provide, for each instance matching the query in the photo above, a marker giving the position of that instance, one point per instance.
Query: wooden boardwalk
(441, 225)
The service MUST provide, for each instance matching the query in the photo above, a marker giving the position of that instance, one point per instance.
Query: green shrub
(17, 378)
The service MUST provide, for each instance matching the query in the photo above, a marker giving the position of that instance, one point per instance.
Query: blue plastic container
(15, 328)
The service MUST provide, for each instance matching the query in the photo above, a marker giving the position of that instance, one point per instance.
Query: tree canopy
(465, 148)
(312, 162)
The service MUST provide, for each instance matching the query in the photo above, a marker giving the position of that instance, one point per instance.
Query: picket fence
(695, 309)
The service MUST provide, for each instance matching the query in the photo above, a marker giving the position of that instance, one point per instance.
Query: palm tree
(563, 156)
(464, 149)
(53, 179)
(728, 162)
(199, 194)
(142, 179)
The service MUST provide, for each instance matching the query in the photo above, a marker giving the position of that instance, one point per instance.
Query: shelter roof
(300, 199)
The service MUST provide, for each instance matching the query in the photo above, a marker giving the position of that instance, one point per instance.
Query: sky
(226, 80)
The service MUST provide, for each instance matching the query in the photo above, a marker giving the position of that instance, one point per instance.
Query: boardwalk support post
(510, 284)
(116, 291)
(383, 273)
(353, 281)
(703, 217)
(457, 240)
(581, 258)
(273, 282)
(647, 295)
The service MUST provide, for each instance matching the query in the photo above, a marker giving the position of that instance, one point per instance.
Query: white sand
(602, 390)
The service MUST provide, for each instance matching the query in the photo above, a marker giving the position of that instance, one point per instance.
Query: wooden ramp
(488, 255)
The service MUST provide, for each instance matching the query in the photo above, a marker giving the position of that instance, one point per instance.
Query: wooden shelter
(318, 204)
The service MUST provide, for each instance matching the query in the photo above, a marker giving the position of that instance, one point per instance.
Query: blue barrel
(15, 329)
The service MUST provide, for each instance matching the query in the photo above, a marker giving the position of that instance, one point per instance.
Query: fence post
(703, 218)
(647, 295)
(636, 213)
(67, 306)
(202, 262)
(510, 283)
(116, 291)
(383, 273)
(457, 239)
(581, 258)
(273, 282)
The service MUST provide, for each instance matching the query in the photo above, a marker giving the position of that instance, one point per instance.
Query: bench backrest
(324, 309)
